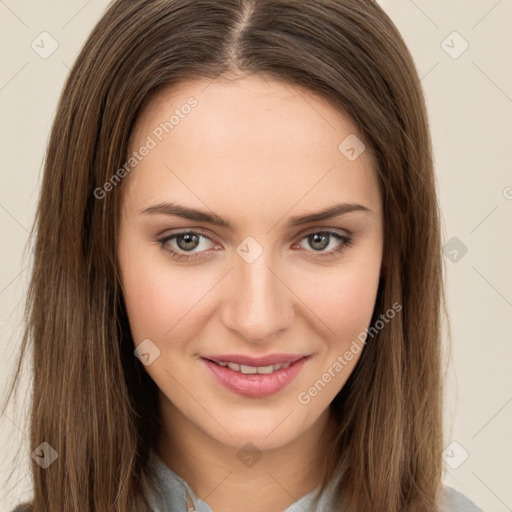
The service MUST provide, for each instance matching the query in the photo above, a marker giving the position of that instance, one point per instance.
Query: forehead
(244, 138)
(251, 109)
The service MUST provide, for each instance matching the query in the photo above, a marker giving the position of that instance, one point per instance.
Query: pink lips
(256, 385)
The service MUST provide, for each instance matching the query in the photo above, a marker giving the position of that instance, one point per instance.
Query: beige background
(469, 98)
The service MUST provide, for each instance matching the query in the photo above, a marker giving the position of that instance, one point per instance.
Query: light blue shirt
(169, 495)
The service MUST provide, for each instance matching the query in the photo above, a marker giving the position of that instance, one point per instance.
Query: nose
(259, 304)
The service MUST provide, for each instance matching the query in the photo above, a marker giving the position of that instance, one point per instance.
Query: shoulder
(454, 501)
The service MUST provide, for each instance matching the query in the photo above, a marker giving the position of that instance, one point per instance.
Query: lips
(255, 385)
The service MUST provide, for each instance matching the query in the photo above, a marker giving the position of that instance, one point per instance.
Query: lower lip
(255, 385)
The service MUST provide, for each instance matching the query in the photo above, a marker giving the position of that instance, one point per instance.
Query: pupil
(322, 240)
(191, 241)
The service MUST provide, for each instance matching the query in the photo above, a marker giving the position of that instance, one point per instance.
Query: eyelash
(345, 241)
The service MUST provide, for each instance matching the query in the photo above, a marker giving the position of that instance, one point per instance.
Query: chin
(264, 435)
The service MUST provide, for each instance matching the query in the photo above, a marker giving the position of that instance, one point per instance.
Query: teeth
(267, 369)
(247, 370)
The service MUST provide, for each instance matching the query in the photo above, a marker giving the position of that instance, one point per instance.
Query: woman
(237, 287)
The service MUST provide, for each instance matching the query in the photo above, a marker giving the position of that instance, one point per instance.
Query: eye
(183, 245)
(320, 240)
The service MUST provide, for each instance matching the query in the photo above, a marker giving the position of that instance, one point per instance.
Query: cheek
(342, 301)
(158, 298)
(356, 301)
(345, 306)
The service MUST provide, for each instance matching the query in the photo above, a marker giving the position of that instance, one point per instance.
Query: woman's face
(221, 256)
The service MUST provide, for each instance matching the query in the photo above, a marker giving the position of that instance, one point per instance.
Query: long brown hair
(92, 401)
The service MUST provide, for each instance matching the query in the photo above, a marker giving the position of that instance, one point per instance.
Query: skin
(257, 152)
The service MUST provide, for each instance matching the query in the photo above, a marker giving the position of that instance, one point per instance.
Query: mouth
(254, 362)
(255, 381)
(252, 370)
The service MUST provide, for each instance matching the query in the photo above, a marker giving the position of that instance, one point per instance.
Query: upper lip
(256, 361)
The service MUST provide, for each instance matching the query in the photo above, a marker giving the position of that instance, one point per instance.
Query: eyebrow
(177, 210)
